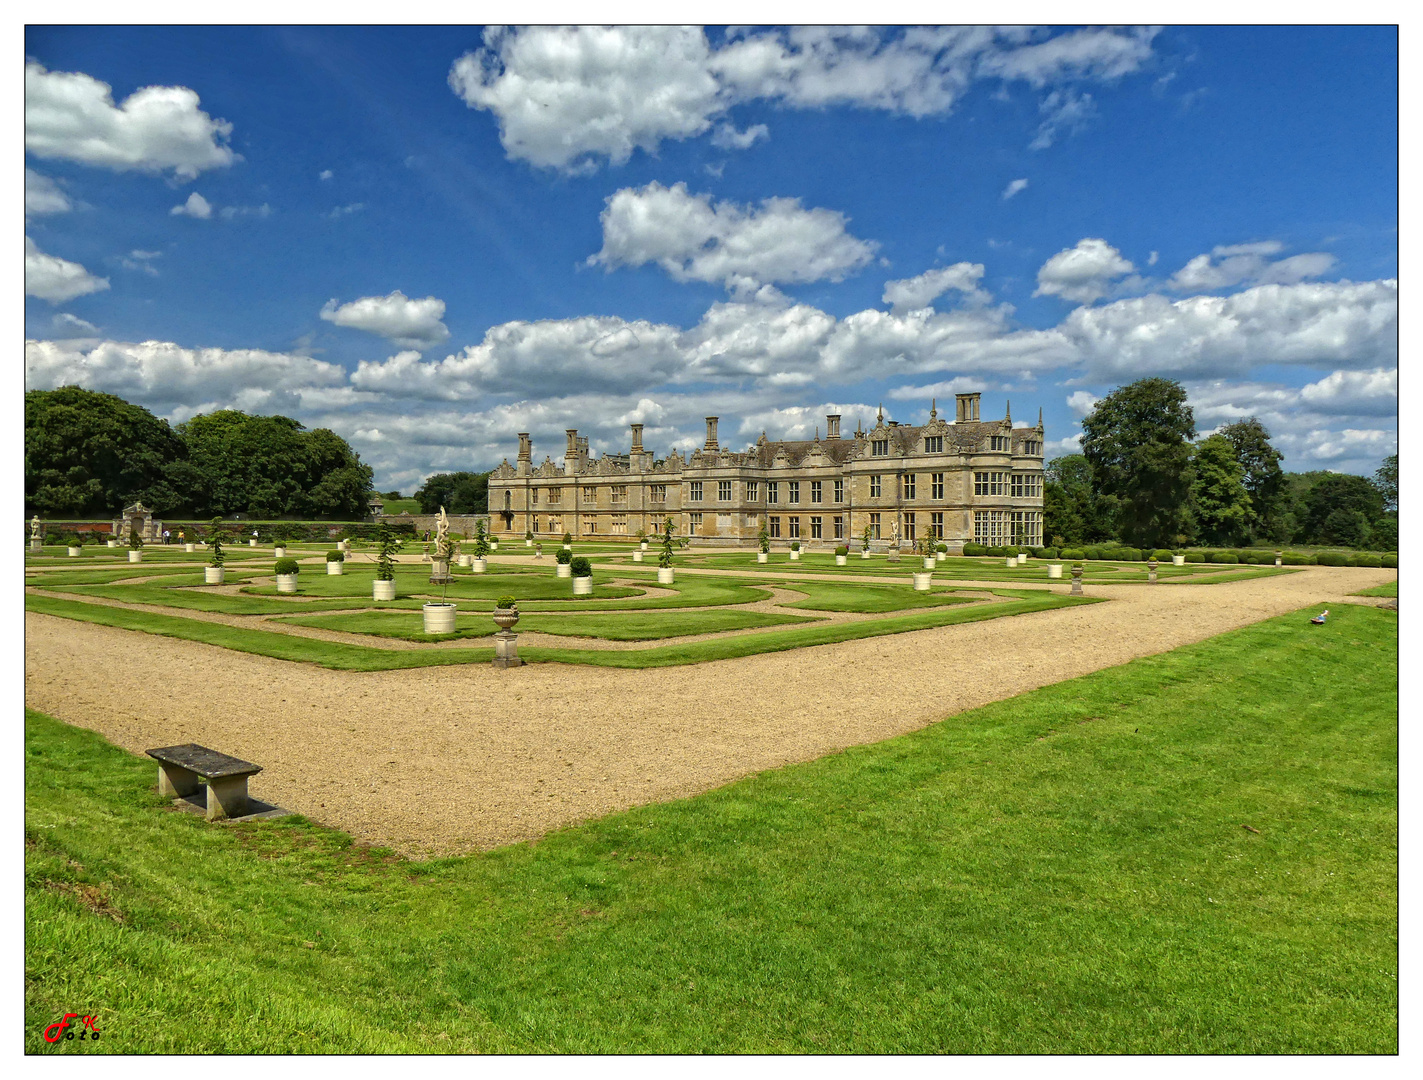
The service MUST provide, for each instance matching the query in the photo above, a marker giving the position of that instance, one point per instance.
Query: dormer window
(934, 444)
(998, 442)
(879, 447)
(1033, 447)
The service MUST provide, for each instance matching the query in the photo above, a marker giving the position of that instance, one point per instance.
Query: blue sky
(430, 239)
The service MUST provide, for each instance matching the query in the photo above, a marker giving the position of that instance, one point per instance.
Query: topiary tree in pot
(213, 574)
(481, 540)
(286, 571)
(387, 545)
(582, 576)
(567, 539)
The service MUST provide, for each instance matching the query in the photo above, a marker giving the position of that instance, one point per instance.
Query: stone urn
(213, 575)
(1180, 560)
(1054, 570)
(922, 582)
(841, 560)
(75, 551)
(335, 569)
(280, 551)
(505, 618)
(637, 555)
(666, 575)
(929, 562)
(439, 618)
(190, 547)
(1279, 558)
(286, 583)
(479, 566)
(133, 556)
(383, 590)
(562, 570)
(583, 586)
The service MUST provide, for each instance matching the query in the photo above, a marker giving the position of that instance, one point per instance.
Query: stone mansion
(969, 480)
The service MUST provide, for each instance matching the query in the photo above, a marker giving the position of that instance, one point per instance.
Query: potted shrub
(665, 574)
(506, 612)
(111, 542)
(641, 540)
(865, 541)
(763, 544)
(842, 552)
(568, 541)
(564, 557)
(528, 538)
(941, 552)
(335, 562)
(387, 545)
(74, 548)
(213, 573)
(287, 570)
(795, 550)
(582, 571)
(480, 562)
(926, 552)
(135, 545)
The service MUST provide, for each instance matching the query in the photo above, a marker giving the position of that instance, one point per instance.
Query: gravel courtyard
(445, 760)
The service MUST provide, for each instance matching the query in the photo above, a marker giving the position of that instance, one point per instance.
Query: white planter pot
(637, 556)
(439, 618)
(75, 552)
(493, 544)
(940, 556)
(383, 590)
(841, 560)
(665, 575)
(582, 586)
(795, 556)
(761, 556)
(1023, 559)
(929, 562)
(1178, 560)
(563, 569)
(286, 583)
(463, 560)
(479, 565)
(567, 547)
(1012, 560)
(280, 551)
(111, 543)
(642, 545)
(1054, 570)
(190, 547)
(335, 569)
(922, 582)
(865, 554)
(213, 575)
(252, 543)
(528, 543)
(133, 556)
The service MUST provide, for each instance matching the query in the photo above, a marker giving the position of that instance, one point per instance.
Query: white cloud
(69, 325)
(72, 116)
(728, 138)
(919, 292)
(1063, 110)
(571, 97)
(1236, 264)
(961, 384)
(1081, 402)
(57, 280)
(229, 212)
(326, 174)
(1083, 273)
(1366, 393)
(410, 324)
(44, 196)
(1014, 186)
(195, 207)
(1151, 259)
(141, 261)
(341, 211)
(694, 240)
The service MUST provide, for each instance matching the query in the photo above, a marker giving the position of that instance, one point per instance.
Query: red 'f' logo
(56, 1030)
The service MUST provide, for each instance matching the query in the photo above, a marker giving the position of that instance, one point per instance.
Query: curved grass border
(344, 657)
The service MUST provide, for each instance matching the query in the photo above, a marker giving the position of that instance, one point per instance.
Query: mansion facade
(960, 481)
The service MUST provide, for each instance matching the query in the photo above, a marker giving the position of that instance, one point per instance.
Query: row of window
(934, 444)
(1014, 485)
(1017, 485)
(817, 527)
(999, 527)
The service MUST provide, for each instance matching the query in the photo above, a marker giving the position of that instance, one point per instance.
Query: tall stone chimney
(711, 433)
(572, 434)
(637, 438)
(526, 455)
(832, 426)
(967, 408)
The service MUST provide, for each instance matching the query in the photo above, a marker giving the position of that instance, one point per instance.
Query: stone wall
(459, 523)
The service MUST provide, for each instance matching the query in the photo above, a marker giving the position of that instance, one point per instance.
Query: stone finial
(881, 413)
(1008, 414)
(1040, 417)
(933, 408)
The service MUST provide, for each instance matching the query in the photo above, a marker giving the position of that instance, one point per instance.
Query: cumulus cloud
(141, 261)
(1014, 186)
(195, 207)
(1084, 273)
(72, 116)
(1234, 264)
(57, 280)
(693, 239)
(1062, 110)
(326, 174)
(919, 292)
(410, 324)
(44, 196)
(570, 98)
(1081, 402)
(1358, 393)
(728, 138)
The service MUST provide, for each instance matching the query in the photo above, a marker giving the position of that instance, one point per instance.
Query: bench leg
(176, 781)
(227, 798)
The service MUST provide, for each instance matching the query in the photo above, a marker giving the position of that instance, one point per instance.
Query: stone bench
(181, 767)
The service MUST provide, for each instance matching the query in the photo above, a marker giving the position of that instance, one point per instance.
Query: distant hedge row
(1254, 557)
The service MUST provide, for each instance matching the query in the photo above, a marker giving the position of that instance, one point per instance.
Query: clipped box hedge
(1332, 558)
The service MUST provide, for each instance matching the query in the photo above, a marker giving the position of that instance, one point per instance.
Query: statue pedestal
(36, 543)
(892, 555)
(440, 572)
(506, 654)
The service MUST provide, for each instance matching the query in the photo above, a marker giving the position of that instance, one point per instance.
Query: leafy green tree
(1070, 509)
(1137, 441)
(1220, 502)
(1261, 474)
(91, 454)
(1341, 509)
(1386, 480)
(457, 492)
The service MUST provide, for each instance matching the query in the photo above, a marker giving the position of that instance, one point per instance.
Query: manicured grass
(361, 658)
(1062, 872)
(618, 626)
(1387, 589)
(827, 596)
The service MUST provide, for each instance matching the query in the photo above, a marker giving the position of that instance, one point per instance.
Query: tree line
(89, 454)
(1143, 479)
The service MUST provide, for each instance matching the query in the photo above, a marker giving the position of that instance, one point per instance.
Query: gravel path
(457, 759)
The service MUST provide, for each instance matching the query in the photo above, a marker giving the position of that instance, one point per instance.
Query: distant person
(166, 536)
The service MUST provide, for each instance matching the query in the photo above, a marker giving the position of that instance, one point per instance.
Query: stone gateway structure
(960, 481)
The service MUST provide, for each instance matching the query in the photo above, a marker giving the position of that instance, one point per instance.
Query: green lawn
(1387, 589)
(1063, 872)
